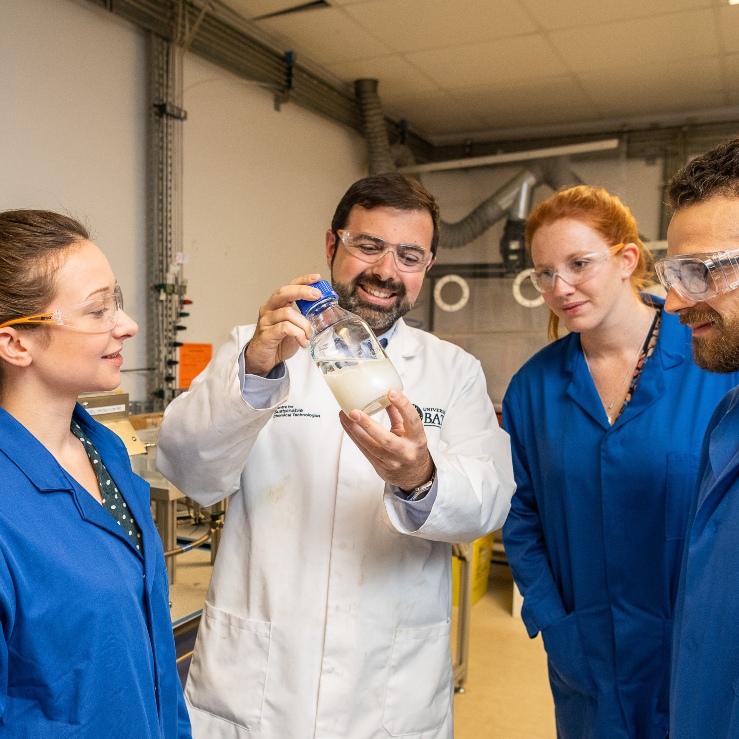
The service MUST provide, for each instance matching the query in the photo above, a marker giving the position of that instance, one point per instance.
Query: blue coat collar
(673, 348)
(35, 461)
(31, 457)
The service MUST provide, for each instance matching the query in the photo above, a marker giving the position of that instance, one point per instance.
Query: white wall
(72, 127)
(260, 186)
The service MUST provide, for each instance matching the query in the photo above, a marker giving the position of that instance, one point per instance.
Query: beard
(718, 352)
(378, 317)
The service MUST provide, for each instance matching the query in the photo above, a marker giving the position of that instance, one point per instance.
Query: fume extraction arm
(512, 200)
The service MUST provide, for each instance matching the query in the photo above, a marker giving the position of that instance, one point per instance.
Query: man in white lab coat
(328, 613)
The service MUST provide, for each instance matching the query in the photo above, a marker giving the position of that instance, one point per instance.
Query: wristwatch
(421, 490)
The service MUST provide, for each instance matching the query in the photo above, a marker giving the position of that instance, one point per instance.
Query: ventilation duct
(454, 235)
(373, 127)
(514, 198)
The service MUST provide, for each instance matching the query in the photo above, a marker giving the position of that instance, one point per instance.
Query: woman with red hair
(606, 426)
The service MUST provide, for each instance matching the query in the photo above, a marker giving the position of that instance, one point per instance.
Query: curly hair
(713, 174)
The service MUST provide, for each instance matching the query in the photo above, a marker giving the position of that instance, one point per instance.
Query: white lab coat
(328, 614)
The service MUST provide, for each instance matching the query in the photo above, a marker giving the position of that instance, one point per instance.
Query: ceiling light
(733, 2)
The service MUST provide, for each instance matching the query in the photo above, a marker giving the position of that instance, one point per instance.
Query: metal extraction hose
(489, 212)
(373, 124)
(454, 235)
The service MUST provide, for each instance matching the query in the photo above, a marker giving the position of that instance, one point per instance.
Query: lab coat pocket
(566, 653)
(682, 473)
(734, 723)
(420, 680)
(227, 678)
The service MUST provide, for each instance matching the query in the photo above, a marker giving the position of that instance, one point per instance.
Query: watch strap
(419, 492)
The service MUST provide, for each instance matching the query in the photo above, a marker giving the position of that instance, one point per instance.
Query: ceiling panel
(637, 90)
(436, 113)
(574, 13)
(729, 25)
(325, 36)
(451, 67)
(731, 64)
(557, 100)
(521, 58)
(398, 78)
(414, 25)
(659, 41)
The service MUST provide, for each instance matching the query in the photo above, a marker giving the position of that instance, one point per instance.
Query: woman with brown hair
(86, 647)
(606, 426)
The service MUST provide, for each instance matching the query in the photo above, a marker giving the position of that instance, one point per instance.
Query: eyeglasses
(371, 249)
(697, 277)
(95, 316)
(573, 272)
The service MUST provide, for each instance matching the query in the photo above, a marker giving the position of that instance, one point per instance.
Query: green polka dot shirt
(113, 501)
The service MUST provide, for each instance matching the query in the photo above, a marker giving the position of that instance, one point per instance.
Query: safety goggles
(371, 249)
(95, 316)
(573, 271)
(696, 277)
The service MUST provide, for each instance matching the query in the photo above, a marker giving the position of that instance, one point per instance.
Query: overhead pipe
(513, 156)
(489, 212)
(373, 126)
(516, 193)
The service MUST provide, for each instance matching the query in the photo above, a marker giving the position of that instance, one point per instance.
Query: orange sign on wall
(193, 360)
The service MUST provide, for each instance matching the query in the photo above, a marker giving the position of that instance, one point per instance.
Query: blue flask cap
(327, 296)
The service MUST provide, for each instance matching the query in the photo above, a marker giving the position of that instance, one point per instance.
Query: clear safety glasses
(696, 277)
(573, 272)
(371, 249)
(95, 316)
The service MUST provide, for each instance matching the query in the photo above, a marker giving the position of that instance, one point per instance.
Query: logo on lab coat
(292, 411)
(431, 416)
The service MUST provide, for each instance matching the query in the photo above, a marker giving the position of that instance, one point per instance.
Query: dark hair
(390, 190)
(715, 173)
(606, 215)
(32, 243)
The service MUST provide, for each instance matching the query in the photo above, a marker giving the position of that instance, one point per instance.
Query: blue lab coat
(596, 529)
(87, 647)
(705, 668)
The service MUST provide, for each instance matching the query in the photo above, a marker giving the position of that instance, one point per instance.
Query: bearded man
(701, 274)
(329, 609)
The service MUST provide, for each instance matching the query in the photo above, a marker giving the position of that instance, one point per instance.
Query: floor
(507, 691)
(506, 694)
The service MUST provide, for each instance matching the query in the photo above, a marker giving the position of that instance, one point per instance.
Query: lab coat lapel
(670, 351)
(402, 345)
(581, 387)
(649, 390)
(31, 456)
(723, 458)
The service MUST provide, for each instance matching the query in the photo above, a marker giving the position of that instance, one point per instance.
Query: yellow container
(482, 551)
